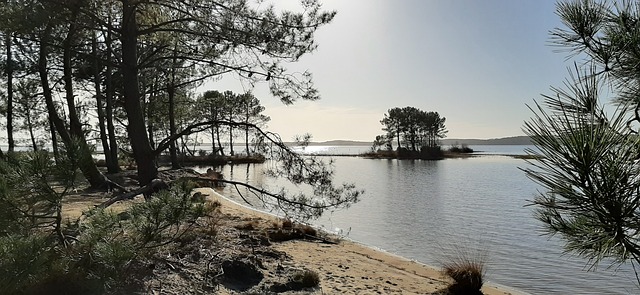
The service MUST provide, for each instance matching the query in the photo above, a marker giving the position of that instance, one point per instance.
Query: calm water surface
(424, 210)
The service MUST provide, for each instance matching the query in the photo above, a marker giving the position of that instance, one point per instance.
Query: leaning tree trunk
(86, 163)
(56, 124)
(142, 151)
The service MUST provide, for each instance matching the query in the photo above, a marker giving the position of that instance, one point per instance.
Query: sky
(477, 63)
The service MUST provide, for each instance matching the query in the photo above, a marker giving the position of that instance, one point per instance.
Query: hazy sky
(477, 63)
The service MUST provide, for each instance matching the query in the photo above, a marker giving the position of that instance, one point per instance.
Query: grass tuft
(467, 271)
(307, 278)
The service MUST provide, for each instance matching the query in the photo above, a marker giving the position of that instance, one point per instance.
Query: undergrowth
(96, 253)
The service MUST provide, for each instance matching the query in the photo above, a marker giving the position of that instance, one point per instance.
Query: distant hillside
(337, 143)
(514, 140)
(343, 143)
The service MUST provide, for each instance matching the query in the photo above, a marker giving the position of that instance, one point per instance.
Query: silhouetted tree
(417, 128)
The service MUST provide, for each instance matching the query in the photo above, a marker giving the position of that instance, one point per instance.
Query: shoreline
(367, 262)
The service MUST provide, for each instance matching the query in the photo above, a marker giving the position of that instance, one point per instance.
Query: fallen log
(154, 186)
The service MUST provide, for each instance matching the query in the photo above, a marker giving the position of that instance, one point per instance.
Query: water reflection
(420, 209)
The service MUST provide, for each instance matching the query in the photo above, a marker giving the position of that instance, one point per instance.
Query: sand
(352, 268)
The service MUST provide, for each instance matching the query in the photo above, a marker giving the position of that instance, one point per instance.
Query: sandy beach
(349, 267)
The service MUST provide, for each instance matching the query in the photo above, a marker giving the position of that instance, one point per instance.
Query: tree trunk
(231, 140)
(31, 135)
(213, 140)
(150, 109)
(230, 132)
(56, 124)
(218, 138)
(246, 130)
(112, 166)
(86, 163)
(142, 152)
(8, 45)
(54, 138)
(246, 140)
(99, 103)
(171, 91)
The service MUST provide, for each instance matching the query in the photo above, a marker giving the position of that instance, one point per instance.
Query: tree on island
(586, 159)
(411, 129)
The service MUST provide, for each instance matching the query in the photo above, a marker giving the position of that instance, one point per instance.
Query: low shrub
(463, 149)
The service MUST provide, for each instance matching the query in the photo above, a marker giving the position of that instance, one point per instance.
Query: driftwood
(210, 179)
(154, 186)
(111, 185)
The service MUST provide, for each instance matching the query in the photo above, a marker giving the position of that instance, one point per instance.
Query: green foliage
(25, 261)
(166, 217)
(90, 255)
(587, 164)
(587, 160)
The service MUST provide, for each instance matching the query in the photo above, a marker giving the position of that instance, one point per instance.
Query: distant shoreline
(513, 140)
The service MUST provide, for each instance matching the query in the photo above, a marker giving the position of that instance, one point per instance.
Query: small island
(416, 134)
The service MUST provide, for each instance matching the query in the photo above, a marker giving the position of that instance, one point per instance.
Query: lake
(428, 210)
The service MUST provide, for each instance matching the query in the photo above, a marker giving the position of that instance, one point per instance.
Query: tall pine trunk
(142, 152)
(54, 138)
(112, 166)
(218, 139)
(86, 163)
(171, 91)
(246, 129)
(31, 134)
(231, 140)
(99, 100)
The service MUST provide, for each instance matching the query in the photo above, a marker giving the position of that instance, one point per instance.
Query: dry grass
(307, 278)
(249, 225)
(467, 271)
